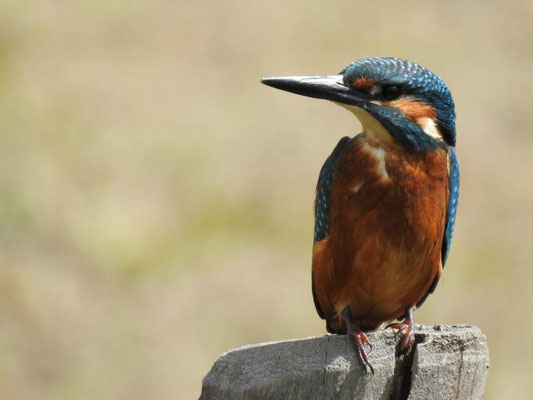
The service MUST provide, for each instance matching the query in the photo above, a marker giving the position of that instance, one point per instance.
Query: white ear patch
(429, 127)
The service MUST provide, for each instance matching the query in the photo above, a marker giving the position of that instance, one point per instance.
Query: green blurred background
(156, 200)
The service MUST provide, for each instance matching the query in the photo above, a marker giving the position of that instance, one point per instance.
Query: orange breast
(387, 216)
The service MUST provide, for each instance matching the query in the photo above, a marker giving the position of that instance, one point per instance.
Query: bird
(386, 199)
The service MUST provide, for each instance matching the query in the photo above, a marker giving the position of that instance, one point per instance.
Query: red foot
(407, 331)
(359, 340)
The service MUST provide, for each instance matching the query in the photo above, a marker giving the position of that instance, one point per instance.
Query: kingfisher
(386, 199)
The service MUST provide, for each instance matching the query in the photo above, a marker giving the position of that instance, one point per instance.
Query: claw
(359, 339)
(406, 329)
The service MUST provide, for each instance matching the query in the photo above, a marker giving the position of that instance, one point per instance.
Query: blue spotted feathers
(323, 190)
(452, 206)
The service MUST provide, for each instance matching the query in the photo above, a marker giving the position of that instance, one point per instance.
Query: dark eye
(392, 92)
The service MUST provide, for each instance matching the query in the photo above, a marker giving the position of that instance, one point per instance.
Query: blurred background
(156, 200)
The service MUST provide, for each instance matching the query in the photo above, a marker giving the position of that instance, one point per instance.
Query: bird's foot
(360, 339)
(407, 331)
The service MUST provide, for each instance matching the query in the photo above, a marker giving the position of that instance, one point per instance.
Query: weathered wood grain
(447, 362)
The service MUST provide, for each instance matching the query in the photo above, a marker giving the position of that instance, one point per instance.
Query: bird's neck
(372, 128)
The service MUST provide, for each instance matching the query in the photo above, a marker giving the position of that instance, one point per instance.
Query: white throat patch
(372, 128)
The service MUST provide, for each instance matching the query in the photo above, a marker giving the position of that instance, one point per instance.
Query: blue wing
(452, 205)
(323, 190)
(453, 186)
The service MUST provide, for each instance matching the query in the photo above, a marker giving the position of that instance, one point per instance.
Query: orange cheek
(414, 110)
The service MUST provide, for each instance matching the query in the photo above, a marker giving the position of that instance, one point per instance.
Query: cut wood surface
(446, 362)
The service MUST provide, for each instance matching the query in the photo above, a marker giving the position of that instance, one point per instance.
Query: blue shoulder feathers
(452, 205)
(323, 190)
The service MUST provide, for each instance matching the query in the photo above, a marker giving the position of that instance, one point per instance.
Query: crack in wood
(403, 370)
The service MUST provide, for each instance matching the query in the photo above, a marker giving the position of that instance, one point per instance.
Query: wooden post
(446, 362)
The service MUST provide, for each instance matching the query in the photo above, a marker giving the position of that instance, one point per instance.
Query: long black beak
(328, 87)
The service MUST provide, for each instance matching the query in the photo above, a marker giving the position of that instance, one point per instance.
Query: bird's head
(395, 100)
